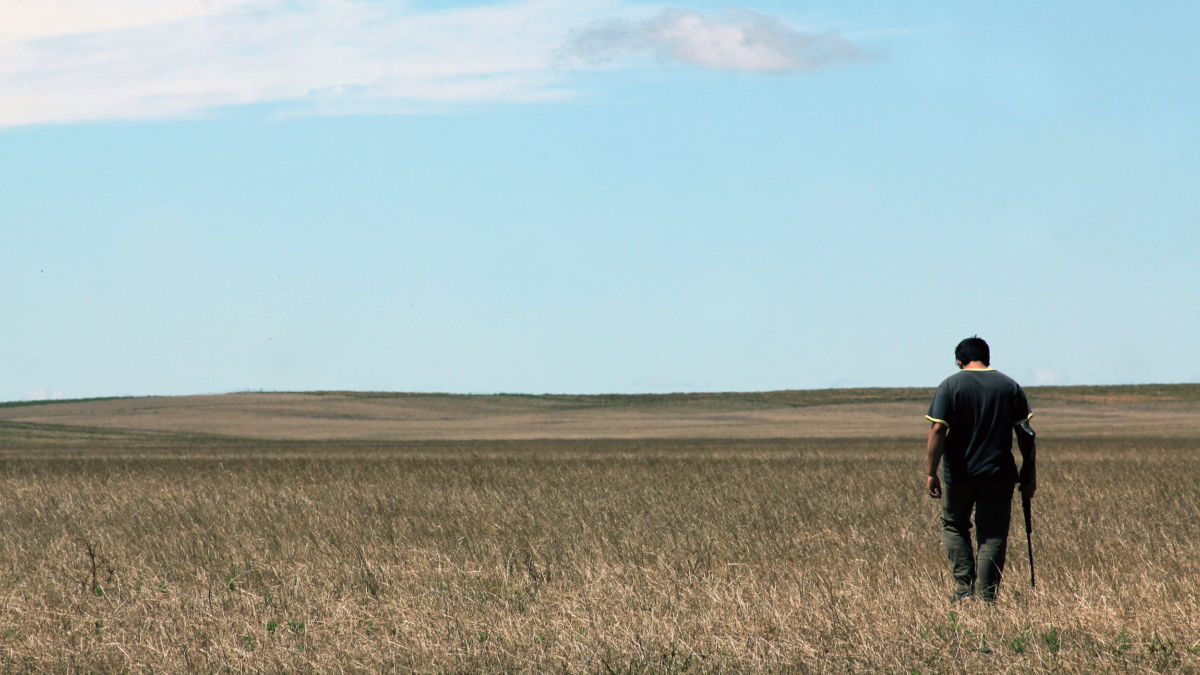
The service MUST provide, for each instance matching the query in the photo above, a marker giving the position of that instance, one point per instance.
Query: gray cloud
(738, 40)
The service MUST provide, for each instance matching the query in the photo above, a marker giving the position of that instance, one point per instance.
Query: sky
(593, 196)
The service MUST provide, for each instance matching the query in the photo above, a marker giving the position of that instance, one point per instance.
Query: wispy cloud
(1046, 376)
(42, 395)
(141, 61)
(734, 40)
(78, 60)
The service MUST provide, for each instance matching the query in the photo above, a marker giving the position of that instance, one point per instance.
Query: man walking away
(974, 414)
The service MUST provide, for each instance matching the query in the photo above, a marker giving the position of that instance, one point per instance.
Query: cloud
(65, 61)
(1046, 376)
(738, 40)
(49, 18)
(42, 395)
(661, 384)
(77, 60)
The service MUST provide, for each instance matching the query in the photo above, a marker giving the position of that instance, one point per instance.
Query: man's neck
(973, 365)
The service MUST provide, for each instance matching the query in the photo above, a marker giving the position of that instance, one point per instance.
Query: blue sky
(593, 196)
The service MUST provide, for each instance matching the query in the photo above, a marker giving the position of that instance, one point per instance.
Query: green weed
(1020, 642)
(1122, 644)
(1052, 640)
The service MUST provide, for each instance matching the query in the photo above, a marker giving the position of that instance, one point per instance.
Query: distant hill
(1173, 409)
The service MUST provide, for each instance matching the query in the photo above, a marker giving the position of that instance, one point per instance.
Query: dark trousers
(992, 504)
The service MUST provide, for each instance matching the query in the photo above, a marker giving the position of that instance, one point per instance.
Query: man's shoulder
(964, 376)
(971, 379)
(955, 378)
(1006, 379)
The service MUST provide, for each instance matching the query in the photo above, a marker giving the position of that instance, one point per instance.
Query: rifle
(1025, 439)
(1027, 507)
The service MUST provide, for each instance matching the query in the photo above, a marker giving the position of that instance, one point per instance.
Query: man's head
(972, 349)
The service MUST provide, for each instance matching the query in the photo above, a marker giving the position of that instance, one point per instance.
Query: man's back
(979, 407)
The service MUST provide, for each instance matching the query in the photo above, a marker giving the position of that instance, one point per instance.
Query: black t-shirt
(980, 409)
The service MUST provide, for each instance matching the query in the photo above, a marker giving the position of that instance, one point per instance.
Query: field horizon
(1171, 409)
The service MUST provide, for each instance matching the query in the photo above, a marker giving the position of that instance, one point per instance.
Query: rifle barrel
(1027, 507)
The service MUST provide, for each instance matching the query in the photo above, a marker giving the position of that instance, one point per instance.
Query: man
(974, 414)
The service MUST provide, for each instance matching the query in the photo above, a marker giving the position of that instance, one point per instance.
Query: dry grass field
(786, 532)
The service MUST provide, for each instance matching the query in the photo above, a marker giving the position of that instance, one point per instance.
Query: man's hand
(1028, 483)
(933, 486)
(935, 447)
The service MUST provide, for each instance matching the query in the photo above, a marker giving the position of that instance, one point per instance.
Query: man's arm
(936, 446)
(1025, 441)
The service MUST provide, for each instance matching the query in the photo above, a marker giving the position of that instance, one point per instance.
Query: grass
(1062, 412)
(57, 401)
(1128, 393)
(146, 552)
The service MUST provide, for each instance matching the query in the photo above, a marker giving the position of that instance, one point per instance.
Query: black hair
(973, 349)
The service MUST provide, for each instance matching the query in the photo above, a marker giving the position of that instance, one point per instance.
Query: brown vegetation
(148, 550)
(1171, 410)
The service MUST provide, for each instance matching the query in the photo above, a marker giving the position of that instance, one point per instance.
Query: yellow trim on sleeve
(1026, 419)
(937, 421)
